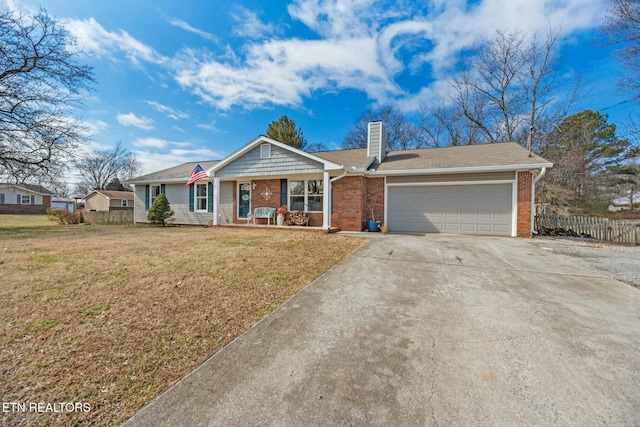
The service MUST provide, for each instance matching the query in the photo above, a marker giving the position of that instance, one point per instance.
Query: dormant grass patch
(96, 321)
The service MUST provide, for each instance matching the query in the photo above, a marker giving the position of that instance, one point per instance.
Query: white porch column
(216, 199)
(326, 211)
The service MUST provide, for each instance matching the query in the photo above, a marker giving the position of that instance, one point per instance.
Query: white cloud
(365, 45)
(150, 142)
(283, 72)
(95, 126)
(153, 161)
(170, 112)
(208, 126)
(187, 27)
(249, 25)
(133, 120)
(94, 38)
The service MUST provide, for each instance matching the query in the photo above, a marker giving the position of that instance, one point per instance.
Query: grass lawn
(113, 315)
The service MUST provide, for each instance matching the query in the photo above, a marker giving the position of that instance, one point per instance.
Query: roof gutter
(498, 168)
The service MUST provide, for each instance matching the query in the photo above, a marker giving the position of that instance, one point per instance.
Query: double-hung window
(306, 195)
(201, 197)
(25, 199)
(154, 190)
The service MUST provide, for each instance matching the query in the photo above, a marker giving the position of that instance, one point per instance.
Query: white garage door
(466, 209)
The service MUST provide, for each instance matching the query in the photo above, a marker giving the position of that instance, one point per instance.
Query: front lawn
(113, 315)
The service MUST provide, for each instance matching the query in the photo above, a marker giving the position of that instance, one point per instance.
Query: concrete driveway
(429, 330)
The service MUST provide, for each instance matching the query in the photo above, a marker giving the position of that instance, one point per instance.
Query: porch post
(326, 214)
(216, 199)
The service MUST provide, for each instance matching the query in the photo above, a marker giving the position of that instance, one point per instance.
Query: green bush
(160, 210)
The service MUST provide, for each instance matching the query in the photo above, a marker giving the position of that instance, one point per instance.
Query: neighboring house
(24, 198)
(64, 203)
(108, 200)
(624, 203)
(475, 189)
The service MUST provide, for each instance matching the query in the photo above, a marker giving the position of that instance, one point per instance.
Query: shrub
(63, 217)
(160, 210)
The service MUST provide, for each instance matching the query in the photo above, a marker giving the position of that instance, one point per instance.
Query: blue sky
(197, 79)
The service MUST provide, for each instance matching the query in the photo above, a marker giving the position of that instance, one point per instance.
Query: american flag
(196, 174)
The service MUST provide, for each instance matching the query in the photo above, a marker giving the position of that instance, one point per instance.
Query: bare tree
(100, 168)
(400, 133)
(510, 86)
(622, 26)
(41, 84)
(443, 124)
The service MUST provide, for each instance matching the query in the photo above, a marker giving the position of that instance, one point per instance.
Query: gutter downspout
(540, 175)
(330, 193)
(533, 195)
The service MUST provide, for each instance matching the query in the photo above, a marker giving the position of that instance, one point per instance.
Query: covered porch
(245, 201)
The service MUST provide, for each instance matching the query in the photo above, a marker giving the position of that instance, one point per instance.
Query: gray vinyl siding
(461, 177)
(281, 162)
(225, 208)
(139, 213)
(178, 196)
(375, 142)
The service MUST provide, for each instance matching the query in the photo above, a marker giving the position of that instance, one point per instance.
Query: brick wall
(353, 199)
(348, 203)
(375, 199)
(258, 200)
(524, 204)
(27, 209)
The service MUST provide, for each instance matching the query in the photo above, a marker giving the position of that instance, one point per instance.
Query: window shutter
(162, 189)
(2, 199)
(191, 197)
(146, 197)
(210, 197)
(283, 192)
(19, 199)
(33, 199)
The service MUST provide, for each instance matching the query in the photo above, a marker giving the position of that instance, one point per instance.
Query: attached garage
(483, 207)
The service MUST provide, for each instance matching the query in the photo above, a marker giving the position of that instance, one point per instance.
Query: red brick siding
(26, 209)
(258, 200)
(375, 199)
(348, 203)
(524, 204)
(353, 199)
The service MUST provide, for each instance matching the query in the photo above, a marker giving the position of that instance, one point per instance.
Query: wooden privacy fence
(108, 217)
(610, 230)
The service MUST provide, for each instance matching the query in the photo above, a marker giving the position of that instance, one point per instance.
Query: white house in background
(64, 203)
(624, 202)
(24, 198)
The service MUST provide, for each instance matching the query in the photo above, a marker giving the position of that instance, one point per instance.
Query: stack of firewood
(562, 232)
(298, 218)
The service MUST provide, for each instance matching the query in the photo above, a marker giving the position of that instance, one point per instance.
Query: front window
(201, 197)
(25, 199)
(155, 190)
(306, 195)
(124, 203)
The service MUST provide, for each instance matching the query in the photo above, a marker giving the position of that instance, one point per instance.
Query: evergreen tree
(284, 130)
(584, 149)
(160, 210)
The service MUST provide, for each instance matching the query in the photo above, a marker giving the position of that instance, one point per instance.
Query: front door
(244, 199)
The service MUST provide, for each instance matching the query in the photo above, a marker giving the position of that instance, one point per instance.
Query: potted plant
(282, 211)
